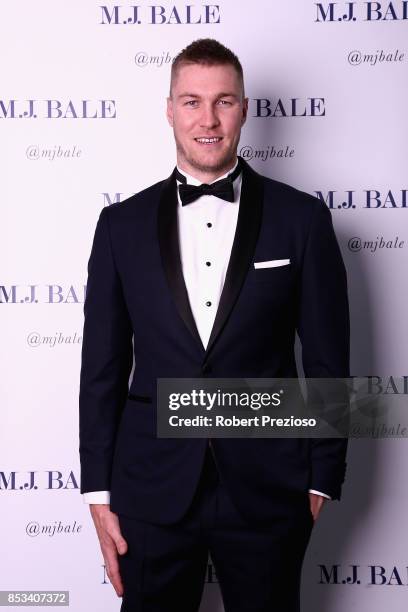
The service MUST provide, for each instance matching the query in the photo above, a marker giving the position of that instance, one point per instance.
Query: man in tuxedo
(209, 273)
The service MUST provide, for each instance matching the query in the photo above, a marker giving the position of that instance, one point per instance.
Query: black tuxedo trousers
(258, 568)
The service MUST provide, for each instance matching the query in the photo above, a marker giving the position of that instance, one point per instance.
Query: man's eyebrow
(220, 95)
(227, 95)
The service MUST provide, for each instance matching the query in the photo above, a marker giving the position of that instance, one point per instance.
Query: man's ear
(169, 110)
(244, 111)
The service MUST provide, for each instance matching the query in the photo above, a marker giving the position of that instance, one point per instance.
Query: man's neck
(205, 177)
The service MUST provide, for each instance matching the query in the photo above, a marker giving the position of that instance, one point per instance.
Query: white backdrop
(97, 83)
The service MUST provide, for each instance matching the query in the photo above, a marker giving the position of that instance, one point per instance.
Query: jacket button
(206, 368)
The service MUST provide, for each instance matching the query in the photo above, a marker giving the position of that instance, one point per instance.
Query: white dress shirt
(206, 229)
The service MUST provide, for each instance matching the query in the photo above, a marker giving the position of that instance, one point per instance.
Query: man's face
(206, 103)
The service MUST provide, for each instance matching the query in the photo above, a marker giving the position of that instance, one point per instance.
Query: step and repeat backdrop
(83, 89)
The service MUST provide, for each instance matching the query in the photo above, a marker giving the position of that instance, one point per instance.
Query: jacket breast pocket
(269, 274)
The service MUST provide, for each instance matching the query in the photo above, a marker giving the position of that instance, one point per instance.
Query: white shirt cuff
(319, 493)
(103, 497)
(96, 497)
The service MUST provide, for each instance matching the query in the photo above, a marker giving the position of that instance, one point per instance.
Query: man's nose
(209, 118)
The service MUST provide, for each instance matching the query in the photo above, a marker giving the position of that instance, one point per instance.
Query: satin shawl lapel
(243, 247)
(170, 253)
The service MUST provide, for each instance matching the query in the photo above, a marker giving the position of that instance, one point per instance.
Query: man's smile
(209, 141)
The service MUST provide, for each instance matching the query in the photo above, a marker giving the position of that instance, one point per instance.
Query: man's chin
(212, 161)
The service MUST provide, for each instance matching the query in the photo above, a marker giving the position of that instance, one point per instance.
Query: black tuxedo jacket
(136, 291)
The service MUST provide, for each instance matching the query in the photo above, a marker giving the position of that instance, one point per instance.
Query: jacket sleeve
(107, 360)
(324, 330)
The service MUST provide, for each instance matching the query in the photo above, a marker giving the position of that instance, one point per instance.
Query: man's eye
(191, 102)
(224, 102)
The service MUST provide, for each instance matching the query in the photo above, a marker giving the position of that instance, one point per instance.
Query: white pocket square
(273, 263)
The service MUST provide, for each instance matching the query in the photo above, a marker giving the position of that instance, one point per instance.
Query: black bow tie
(221, 189)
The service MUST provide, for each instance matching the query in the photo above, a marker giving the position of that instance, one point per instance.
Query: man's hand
(316, 504)
(111, 542)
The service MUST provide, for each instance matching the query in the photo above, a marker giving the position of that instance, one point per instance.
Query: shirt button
(208, 263)
(208, 303)
(209, 224)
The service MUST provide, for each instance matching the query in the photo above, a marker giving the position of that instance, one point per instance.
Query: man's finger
(119, 541)
(112, 569)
